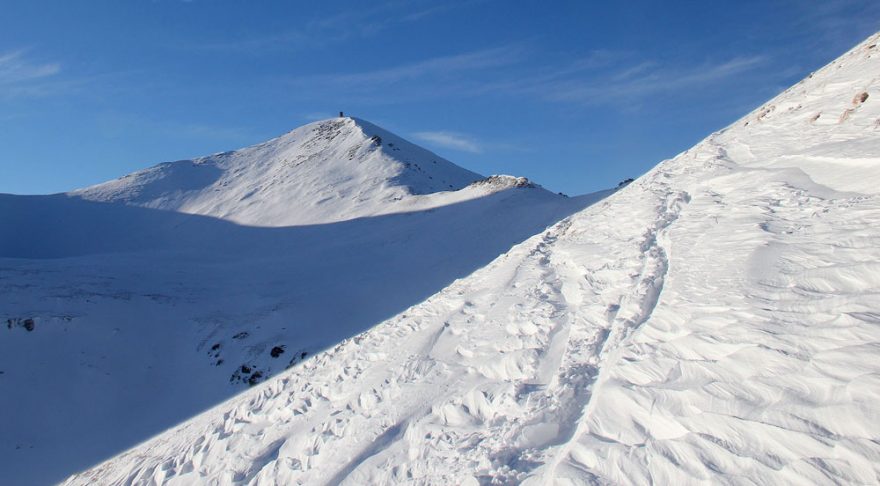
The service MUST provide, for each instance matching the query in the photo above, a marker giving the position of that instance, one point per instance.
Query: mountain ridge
(325, 171)
(712, 322)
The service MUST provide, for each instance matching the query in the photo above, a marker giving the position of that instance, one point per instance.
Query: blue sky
(575, 95)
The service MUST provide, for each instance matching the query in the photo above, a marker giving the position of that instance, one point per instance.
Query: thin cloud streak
(599, 77)
(833, 25)
(21, 77)
(450, 140)
(641, 81)
(433, 67)
(14, 68)
(623, 86)
(332, 29)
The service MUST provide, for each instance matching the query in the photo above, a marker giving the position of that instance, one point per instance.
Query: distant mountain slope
(715, 322)
(123, 315)
(327, 171)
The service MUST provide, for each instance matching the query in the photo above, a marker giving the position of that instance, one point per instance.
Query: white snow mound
(326, 171)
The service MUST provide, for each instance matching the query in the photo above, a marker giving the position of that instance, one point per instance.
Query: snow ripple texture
(714, 322)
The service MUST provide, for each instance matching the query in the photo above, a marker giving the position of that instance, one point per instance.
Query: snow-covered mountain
(133, 305)
(716, 321)
(330, 170)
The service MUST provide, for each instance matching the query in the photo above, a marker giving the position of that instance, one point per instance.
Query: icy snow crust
(715, 322)
(121, 315)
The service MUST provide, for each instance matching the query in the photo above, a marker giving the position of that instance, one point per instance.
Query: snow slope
(326, 171)
(716, 321)
(122, 315)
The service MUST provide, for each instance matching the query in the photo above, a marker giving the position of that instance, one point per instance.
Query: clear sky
(575, 95)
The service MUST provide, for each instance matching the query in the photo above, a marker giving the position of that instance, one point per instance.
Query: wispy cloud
(644, 79)
(20, 76)
(835, 26)
(434, 68)
(24, 76)
(426, 12)
(317, 32)
(333, 28)
(599, 77)
(450, 140)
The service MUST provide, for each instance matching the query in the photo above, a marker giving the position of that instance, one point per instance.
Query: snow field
(715, 322)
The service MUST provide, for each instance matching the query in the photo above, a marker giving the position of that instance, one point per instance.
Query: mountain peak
(325, 171)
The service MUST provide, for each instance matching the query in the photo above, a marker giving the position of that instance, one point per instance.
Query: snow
(326, 171)
(132, 306)
(713, 322)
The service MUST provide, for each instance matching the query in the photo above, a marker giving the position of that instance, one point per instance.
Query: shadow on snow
(144, 316)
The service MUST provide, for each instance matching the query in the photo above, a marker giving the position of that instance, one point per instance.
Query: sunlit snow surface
(717, 321)
(326, 171)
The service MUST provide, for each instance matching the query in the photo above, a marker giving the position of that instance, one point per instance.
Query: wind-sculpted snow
(716, 321)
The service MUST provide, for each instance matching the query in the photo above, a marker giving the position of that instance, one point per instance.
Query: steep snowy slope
(120, 321)
(330, 170)
(714, 322)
